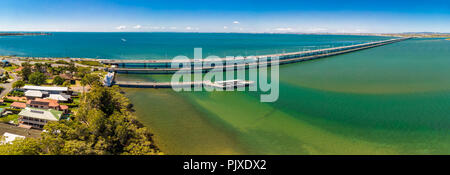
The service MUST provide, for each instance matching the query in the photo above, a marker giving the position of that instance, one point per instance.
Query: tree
(90, 80)
(40, 67)
(26, 71)
(71, 67)
(104, 124)
(37, 78)
(28, 146)
(58, 80)
(66, 83)
(82, 71)
(18, 84)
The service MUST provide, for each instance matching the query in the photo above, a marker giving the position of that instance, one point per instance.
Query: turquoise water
(392, 99)
(165, 45)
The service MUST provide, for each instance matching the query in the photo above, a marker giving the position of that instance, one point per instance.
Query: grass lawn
(10, 68)
(12, 117)
(48, 81)
(99, 72)
(4, 105)
(76, 100)
(90, 63)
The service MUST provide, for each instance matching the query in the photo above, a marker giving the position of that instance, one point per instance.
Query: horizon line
(43, 31)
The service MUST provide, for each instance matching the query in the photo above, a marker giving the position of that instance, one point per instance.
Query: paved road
(19, 62)
(19, 131)
(8, 86)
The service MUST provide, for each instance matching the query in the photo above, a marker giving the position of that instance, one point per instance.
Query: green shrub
(13, 110)
(90, 63)
(8, 100)
(61, 62)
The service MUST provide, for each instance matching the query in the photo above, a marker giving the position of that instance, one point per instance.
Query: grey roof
(46, 88)
(59, 97)
(39, 114)
(31, 93)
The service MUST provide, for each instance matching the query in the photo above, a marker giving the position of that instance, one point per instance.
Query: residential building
(32, 94)
(109, 79)
(59, 97)
(18, 105)
(61, 94)
(8, 138)
(47, 104)
(49, 89)
(37, 118)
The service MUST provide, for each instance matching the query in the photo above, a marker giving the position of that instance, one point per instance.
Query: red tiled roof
(64, 107)
(51, 103)
(18, 69)
(18, 105)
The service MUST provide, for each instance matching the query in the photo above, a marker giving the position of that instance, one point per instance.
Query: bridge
(218, 84)
(164, 66)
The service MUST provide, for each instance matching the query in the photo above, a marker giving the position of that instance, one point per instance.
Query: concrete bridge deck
(257, 61)
(284, 59)
(167, 62)
(221, 85)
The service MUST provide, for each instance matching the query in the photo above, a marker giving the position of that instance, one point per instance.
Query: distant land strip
(22, 34)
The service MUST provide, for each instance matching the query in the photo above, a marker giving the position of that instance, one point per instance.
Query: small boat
(229, 83)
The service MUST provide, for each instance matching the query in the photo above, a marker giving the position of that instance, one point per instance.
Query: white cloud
(236, 22)
(137, 26)
(352, 31)
(172, 28)
(192, 28)
(225, 27)
(121, 27)
(281, 29)
(317, 29)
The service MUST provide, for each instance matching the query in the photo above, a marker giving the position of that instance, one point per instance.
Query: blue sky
(381, 16)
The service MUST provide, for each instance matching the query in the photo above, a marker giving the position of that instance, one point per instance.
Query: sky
(246, 16)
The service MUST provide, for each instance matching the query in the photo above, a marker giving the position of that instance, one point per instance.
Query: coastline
(23, 34)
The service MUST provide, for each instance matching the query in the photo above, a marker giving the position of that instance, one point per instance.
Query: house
(47, 104)
(33, 94)
(64, 108)
(68, 77)
(109, 79)
(49, 89)
(5, 63)
(51, 92)
(18, 105)
(39, 104)
(8, 138)
(18, 69)
(59, 97)
(37, 118)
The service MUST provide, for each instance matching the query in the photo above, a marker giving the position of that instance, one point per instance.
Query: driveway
(8, 86)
